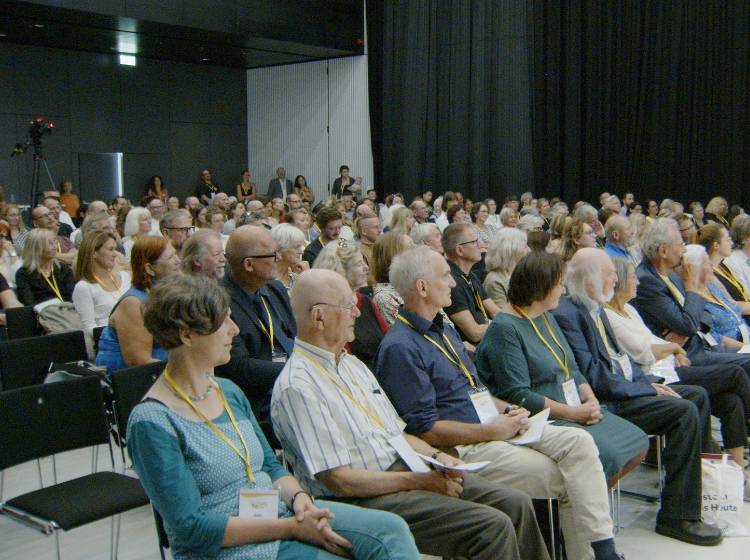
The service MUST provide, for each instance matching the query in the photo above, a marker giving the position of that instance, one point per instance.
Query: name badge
(259, 504)
(745, 332)
(622, 362)
(279, 357)
(572, 398)
(407, 454)
(484, 405)
(709, 338)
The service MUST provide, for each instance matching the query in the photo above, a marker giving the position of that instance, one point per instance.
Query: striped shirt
(321, 427)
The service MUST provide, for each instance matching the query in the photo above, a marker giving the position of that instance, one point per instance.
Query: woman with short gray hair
(202, 457)
(507, 247)
(291, 246)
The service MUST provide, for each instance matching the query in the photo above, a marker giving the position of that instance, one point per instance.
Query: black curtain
(643, 96)
(449, 96)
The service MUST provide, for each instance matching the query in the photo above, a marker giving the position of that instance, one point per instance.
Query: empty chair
(26, 361)
(21, 322)
(42, 420)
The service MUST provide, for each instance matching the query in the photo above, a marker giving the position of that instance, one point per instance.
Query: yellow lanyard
(268, 331)
(59, 247)
(603, 333)
(245, 458)
(673, 289)
(114, 283)
(369, 411)
(477, 299)
(713, 299)
(453, 356)
(53, 283)
(723, 271)
(562, 363)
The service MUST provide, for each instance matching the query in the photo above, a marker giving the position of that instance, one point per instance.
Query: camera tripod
(36, 173)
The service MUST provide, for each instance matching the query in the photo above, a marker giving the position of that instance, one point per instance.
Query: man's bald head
(254, 205)
(315, 287)
(246, 241)
(364, 211)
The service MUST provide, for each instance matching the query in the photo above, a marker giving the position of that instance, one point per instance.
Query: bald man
(342, 434)
(260, 307)
(619, 238)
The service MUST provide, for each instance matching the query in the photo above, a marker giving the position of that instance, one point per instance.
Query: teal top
(193, 477)
(517, 367)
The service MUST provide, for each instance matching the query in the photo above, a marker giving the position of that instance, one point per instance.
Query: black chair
(128, 387)
(21, 322)
(42, 420)
(26, 361)
(96, 335)
(161, 533)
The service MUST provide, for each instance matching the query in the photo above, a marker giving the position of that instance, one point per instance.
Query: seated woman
(42, 278)
(203, 459)
(369, 326)
(715, 239)
(291, 245)
(402, 220)
(99, 285)
(525, 359)
(576, 234)
(384, 294)
(125, 342)
(137, 225)
(480, 214)
(507, 247)
(728, 390)
(8, 298)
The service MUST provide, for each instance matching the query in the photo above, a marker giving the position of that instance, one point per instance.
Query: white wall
(288, 110)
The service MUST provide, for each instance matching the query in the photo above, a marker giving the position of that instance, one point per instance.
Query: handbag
(723, 490)
(61, 316)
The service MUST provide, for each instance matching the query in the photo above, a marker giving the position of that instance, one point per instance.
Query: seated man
(203, 254)
(329, 220)
(628, 392)
(471, 309)
(670, 303)
(434, 386)
(260, 307)
(341, 435)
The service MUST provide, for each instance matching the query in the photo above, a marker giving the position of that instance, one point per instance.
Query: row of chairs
(39, 420)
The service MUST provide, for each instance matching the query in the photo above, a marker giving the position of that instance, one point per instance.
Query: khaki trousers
(564, 465)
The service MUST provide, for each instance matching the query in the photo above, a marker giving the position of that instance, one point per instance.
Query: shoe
(693, 532)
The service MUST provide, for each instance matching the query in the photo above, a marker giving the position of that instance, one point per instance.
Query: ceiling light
(127, 59)
(39, 25)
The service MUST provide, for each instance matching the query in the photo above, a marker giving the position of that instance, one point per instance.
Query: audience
(319, 398)
(715, 239)
(576, 235)
(137, 225)
(12, 215)
(433, 385)
(42, 277)
(716, 211)
(125, 342)
(739, 261)
(100, 285)
(329, 222)
(205, 190)
(177, 226)
(245, 190)
(385, 296)
(679, 411)
(203, 255)
(402, 220)
(619, 236)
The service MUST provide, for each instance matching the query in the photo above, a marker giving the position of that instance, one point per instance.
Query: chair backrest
(22, 323)
(96, 335)
(128, 387)
(25, 361)
(41, 420)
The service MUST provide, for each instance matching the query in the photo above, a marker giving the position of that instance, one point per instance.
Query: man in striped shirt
(341, 432)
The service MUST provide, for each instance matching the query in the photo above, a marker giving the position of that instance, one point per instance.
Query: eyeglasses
(274, 256)
(348, 307)
(190, 229)
(475, 241)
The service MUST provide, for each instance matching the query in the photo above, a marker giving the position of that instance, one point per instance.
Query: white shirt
(65, 218)
(494, 220)
(94, 304)
(739, 263)
(442, 221)
(320, 427)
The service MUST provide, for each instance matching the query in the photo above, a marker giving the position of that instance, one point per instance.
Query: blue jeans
(374, 534)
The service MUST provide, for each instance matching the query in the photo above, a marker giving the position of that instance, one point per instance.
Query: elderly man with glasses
(177, 226)
(260, 307)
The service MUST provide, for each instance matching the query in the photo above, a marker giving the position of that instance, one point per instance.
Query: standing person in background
(343, 182)
(68, 199)
(245, 189)
(303, 189)
(155, 188)
(206, 189)
(280, 186)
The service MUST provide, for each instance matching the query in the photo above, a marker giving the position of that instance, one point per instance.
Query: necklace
(198, 398)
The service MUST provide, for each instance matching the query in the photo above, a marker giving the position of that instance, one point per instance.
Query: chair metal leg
(112, 538)
(551, 514)
(2, 484)
(54, 470)
(660, 443)
(57, 545)
(39, 468)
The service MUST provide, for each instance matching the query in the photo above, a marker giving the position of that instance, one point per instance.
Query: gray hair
(529, 211)
(338, 257)
(287, 236)
(559, 208)
(421, 232)
(454, 235)
(586, 212)
(506, 213)
(251, 218)
(195, 249)
(659, 232)
(622, 269)
(195, 303)
(410, 266)
(89, 223)
(132, 220)
(578, 274)
(507, 247)
(694, 254)
(530, 222)
(168, 219)
(35, 245)
(740, 230)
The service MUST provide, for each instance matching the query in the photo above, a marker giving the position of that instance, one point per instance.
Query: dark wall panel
(170, 119)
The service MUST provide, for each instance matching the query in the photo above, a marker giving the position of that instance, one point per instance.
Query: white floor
(138, 538)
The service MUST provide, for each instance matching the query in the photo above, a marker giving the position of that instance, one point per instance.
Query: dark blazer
(250, 365)
(592, 358)
(336, 189)
(274, 188)
(661, 312)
